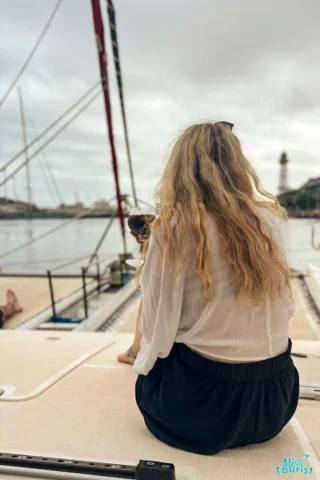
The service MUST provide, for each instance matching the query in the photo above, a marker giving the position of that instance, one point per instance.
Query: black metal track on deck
(145, 470)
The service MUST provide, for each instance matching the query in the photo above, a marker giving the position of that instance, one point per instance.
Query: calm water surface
(80, 238)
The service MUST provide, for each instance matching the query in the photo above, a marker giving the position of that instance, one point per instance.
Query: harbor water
(80, 237)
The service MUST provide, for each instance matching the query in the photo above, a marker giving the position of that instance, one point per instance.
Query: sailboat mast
(25, 142)
(100, 41)
(5, 185)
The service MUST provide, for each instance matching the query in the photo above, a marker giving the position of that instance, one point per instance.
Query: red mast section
(100, 41)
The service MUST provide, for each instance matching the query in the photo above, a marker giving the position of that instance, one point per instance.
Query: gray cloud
(251, 62)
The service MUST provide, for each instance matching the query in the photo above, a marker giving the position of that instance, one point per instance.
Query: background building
(307, 197)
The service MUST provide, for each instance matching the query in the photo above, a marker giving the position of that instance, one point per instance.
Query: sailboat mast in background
(25, 144)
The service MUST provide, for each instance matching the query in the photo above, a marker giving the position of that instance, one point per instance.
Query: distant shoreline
(64, 215)
(304, 213)
(53, 216)
(20, 210)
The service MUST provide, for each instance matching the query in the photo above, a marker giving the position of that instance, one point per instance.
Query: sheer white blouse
(223, 328)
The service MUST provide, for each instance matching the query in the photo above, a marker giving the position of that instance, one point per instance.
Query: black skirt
(204, 406)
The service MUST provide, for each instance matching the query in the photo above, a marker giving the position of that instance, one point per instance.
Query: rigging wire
(60, 266)
(47, 179)
(76, 260)
(37, 262)
(116, 57)
(105, 233)
(49, 140)
(24, 66)
(53, 124)
(51, 260)
(54, 183)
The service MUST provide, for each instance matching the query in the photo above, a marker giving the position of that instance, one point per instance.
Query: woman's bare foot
(128, 357)
(12, 302)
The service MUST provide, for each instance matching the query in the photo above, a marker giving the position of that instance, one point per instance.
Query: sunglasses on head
(228, 125)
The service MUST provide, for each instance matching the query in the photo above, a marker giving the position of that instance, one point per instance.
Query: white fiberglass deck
(69, 398)
(88, 412)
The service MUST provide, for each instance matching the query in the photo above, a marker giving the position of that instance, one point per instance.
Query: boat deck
(67, 397)
(87, 411)
(34, 295)
(304, 324)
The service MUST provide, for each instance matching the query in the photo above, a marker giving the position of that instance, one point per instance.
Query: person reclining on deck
(211, 348)
(12, 306)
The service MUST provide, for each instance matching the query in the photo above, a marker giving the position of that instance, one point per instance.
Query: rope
(34, 154)
(100, 42)
(17, 155)
(69, 262)
(52, 260)
(75, 260)
(35, 262)
(24, 66)
(116, 57)
(48, 232)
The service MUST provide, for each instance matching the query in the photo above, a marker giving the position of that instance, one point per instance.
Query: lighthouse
(283, 184)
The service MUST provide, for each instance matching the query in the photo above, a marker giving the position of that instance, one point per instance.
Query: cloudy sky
(252, 62)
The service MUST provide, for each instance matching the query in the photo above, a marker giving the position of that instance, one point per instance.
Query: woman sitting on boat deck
(212, 348)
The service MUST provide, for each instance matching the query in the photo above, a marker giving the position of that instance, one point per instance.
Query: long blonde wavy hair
(207, 172)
